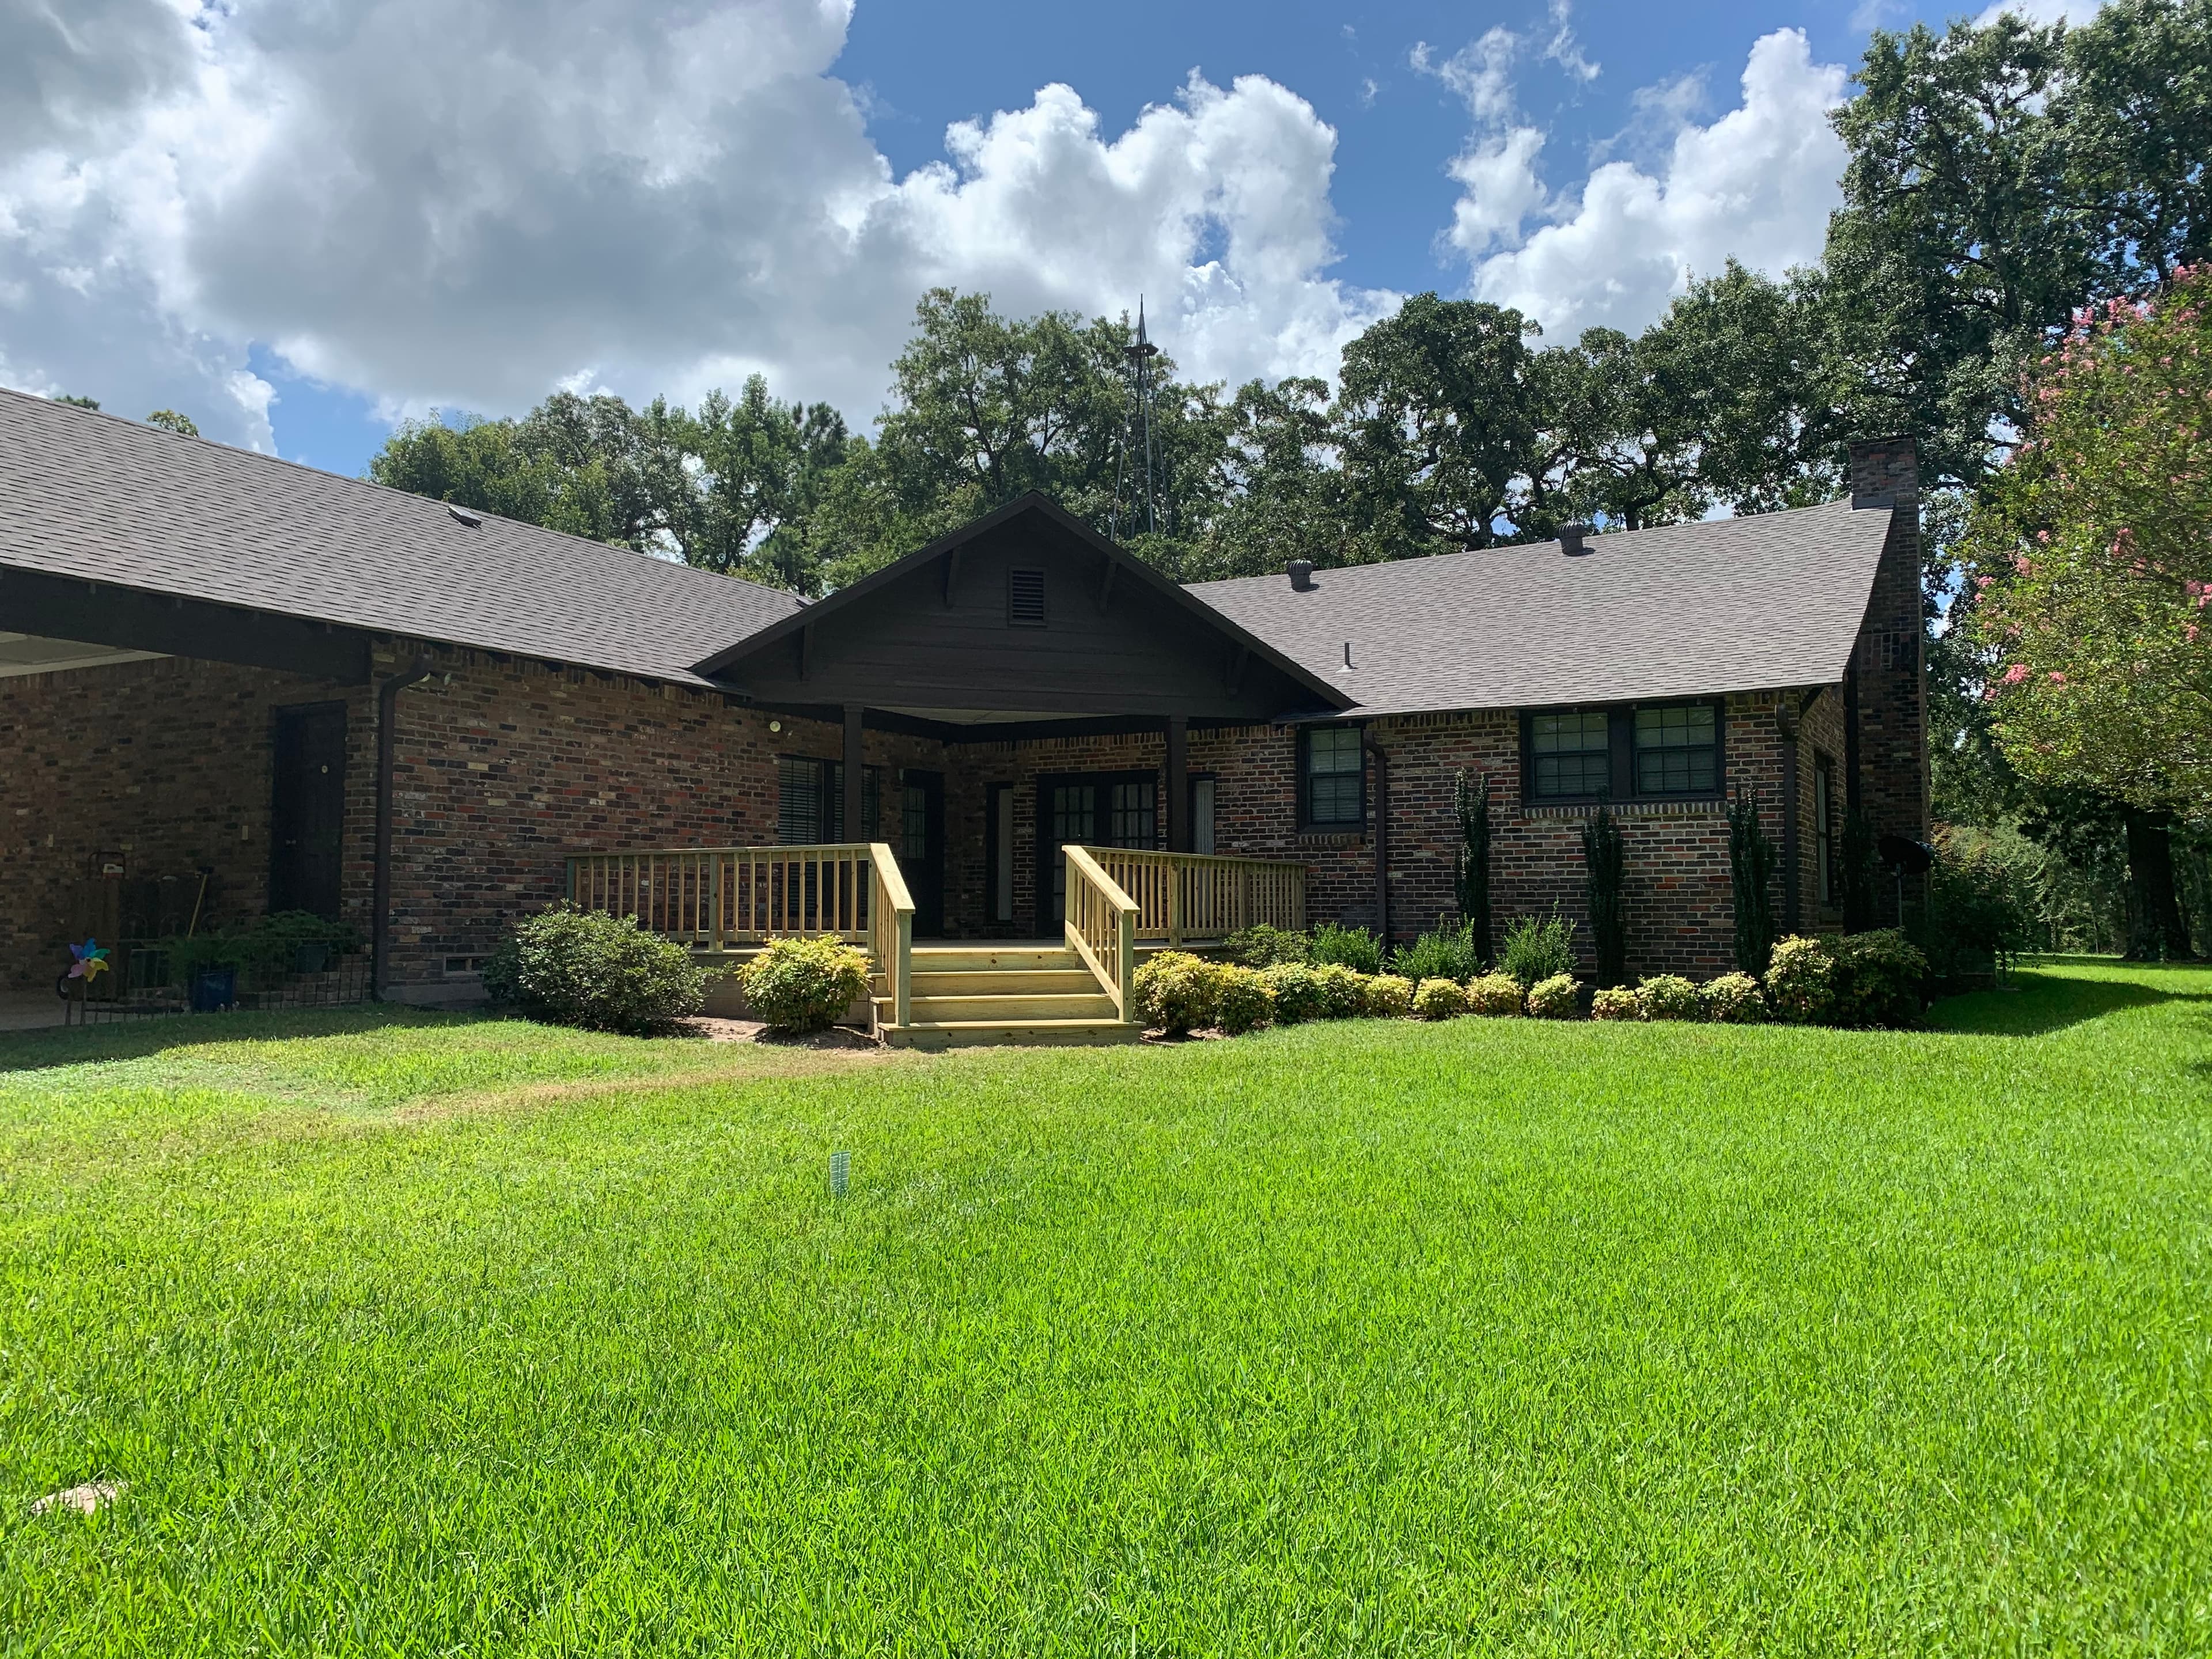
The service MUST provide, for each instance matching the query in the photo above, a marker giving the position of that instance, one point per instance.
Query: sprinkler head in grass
(840, 1173)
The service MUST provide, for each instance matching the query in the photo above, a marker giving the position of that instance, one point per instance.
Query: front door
(1098, 808)
(921, 848)
(307, 815)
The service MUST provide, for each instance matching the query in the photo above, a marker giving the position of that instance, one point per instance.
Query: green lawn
(434, 1336)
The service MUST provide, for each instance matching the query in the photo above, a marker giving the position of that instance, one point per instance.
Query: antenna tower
(1139, 479)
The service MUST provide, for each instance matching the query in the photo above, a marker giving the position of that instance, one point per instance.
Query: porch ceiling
(37, 653)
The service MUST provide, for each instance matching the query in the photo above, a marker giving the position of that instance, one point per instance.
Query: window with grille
(1026, 598)
(1676, 753)
(1571, 754)
(1331, 776)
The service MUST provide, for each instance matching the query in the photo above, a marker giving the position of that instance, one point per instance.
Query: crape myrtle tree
(2091, 555)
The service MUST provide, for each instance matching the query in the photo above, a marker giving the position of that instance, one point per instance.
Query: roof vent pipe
(1571, 539)
(1301, 574)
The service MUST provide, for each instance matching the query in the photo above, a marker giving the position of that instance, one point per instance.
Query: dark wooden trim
(1106, 586)
(855, 761)
(1177, 806)
(951, 573)
(132, 619)
(1237, 665)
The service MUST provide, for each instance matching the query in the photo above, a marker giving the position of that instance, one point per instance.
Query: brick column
(1887, 691)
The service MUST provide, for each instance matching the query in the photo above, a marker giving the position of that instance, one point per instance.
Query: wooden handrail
(713, 897)
(890, 913)
(1101, 927)
(1182, 898)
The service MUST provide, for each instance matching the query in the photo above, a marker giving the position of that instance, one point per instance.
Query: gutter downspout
(1381, 836)
(1786, 722)
(387, 702)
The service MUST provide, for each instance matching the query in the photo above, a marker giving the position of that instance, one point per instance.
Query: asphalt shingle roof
(1727, 605)
(94, 496)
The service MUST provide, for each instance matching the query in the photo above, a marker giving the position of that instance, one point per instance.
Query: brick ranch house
(345, 699)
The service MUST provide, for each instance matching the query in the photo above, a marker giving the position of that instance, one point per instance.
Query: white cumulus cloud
(463, 206)
(1756, 184)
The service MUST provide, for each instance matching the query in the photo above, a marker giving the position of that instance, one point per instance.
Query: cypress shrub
(1605, 862)
(1471, 864)
(1751, 883)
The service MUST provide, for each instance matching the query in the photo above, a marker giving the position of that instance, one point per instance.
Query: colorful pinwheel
(91, 960)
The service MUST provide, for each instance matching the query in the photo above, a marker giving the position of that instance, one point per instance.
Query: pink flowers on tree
(2091, 557)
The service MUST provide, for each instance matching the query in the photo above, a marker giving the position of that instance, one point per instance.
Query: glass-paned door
(1099, 809)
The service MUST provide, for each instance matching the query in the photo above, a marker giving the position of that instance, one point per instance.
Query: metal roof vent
(1570, 539)
(462, 515)
(1300, 575)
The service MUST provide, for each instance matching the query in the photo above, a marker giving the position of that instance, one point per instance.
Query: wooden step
(1093, 1005)
(962, 1034)
(982, 958)
(1002, 982)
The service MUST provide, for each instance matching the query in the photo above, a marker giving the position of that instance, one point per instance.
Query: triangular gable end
(1024, 615)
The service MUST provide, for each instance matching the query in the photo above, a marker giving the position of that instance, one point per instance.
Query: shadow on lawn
(50, 1046)
(2038, 1003)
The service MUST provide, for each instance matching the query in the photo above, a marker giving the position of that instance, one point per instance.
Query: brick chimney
(1885, 687)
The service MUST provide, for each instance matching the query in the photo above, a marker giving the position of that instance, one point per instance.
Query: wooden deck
(1121, 902)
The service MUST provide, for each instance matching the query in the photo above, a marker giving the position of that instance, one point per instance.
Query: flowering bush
(1616, 1002)
(1174, 991)
(1298, 992)
(1439, 998)
(1669, 996)
(804, 984)
(1559, 997)
(1495, 996)
(1801, 981)
(1343, 991)
(1242, 1000)
(1734, 1000)
(2091, 570)
(1389, 996)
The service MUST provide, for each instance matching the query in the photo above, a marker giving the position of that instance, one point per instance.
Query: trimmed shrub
(804, 984)
(570, 967)
(1298, 992)
(1439, 998)
(1559, 997)
(1801, 981)
(1350, 947)
(1242, 1000)
(1669, 996)
(1263, 946)
(1878, 981)
(1495, 996)
(1343, 992)
(1446, 953)
(1537, 949)
(1175, 991)
(1616, 1002)
(1734, 1000)
(1389, 996)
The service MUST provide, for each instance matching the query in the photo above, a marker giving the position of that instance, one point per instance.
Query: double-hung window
(1331, 778)
(810, 801)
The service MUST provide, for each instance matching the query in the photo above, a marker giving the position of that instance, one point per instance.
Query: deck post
(717, 901)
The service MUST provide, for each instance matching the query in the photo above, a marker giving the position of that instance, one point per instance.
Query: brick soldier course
(581, 698)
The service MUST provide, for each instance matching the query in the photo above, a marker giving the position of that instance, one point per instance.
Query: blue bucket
(214, 989)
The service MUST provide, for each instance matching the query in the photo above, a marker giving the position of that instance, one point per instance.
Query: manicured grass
(440, 1337)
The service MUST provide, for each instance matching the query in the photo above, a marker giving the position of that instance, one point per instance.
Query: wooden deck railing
(715, 897)
(890, 925)
(1187, 898)
(1101, 926)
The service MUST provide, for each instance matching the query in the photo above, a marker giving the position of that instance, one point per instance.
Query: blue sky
(301, 224)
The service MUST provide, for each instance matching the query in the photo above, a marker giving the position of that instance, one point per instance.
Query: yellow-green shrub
(1559, 997)
(1669, 996)
(1242, 1000)
(1174, 991)
(1439, 998)
(1616, 1002)
(1389, 996)
(1495, 996)
(804, 984)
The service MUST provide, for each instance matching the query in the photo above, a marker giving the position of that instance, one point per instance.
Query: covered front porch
(1118, 904)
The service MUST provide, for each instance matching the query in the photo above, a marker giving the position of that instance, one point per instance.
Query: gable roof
(99, 498)
(1771, 600)
(1035, 505)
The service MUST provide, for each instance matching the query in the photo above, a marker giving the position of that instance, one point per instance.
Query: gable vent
(1026, 598)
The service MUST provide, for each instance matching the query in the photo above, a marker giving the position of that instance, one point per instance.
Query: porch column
(855, 772)
(1178, 784)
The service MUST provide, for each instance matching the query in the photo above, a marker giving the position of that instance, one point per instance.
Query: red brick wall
(166, 763)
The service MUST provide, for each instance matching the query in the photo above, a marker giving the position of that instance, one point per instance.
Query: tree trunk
(2156, 931)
